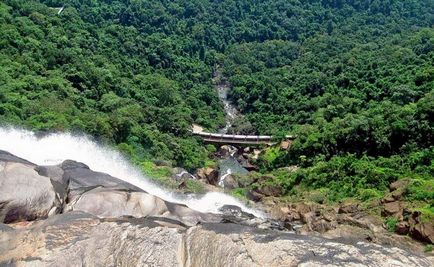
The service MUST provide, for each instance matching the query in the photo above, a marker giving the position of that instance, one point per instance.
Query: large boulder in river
(108, 197)
(109, 203)
(29, 192)
(24, 194)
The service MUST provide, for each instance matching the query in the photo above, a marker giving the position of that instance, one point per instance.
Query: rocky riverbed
(349, 219)
(69, 215)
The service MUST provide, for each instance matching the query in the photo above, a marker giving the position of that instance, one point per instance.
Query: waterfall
(223, 177)
(55, 148)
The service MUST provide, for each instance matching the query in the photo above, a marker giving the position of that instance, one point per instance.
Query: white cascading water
(55, 148)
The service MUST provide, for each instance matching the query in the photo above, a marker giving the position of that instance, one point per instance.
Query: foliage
(239, 193)
(391, 223)
(90, 69)
(194, 187)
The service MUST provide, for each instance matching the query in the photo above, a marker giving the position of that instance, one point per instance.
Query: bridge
(235, 139)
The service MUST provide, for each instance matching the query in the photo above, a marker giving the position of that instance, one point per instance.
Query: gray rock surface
(80, 239)
(24, 194)
(8, 157)
(30, 192)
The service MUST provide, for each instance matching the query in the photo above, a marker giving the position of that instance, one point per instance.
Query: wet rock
(230, 182)
(236, 212)
(105, 196)
(180, 174)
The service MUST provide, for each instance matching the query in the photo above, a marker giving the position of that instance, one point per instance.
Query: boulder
(230, 182)
(80, 239)
(253, 195)
(308, 218)
(109, 203)
(303, 208)
(81, 178)
(248, 166)
(226, 151)
(24, 194)
(29, 192)
(279, 212)
(8, 157)
(256, 153)
(208, 174)
(180, 174)
(348, 208)
(270, 190)
(322, 226)
(402, 228)
(388, 198)
(105, 196)
(393, 209)
(420, 228)
(284, 145)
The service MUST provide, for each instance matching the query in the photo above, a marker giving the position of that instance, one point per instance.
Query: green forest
(353, 80)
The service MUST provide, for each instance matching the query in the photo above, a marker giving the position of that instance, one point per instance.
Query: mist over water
(54, 148)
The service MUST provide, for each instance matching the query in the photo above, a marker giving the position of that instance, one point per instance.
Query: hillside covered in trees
(352, 79)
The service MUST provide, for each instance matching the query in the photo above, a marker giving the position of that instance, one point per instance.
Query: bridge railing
(210, 137)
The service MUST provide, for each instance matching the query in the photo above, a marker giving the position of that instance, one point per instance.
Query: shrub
(368, 193)
(195, 187)
(391, 223)
(239, 193)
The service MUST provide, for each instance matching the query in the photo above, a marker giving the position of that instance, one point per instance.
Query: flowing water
(222, 87)
(55, 148)
(228, 165)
